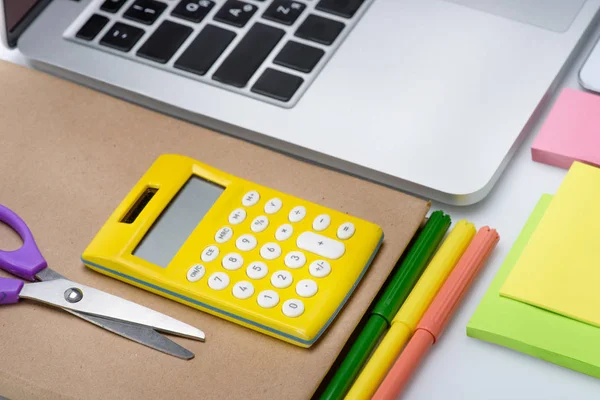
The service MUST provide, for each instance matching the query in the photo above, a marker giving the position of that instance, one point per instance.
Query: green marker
(398, 289)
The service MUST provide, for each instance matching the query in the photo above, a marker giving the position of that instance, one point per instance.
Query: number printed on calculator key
(268, 299)
(257, 270)
(243, 290)
(270, 251)
(281, 279)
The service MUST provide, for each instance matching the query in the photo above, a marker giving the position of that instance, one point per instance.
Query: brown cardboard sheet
(68, 156)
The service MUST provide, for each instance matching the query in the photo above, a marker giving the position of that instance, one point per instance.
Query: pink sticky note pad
(571, 132)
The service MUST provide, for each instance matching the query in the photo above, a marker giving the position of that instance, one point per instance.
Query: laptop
(430, 97)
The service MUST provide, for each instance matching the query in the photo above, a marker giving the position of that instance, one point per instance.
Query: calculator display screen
(178, 221)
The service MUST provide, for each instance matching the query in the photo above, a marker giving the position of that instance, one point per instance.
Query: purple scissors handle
(26, 261)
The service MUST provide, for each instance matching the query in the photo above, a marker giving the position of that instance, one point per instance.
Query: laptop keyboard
(270, 50)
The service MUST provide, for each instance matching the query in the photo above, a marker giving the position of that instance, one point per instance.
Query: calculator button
(270, 251)
(284, 232)
(259, 224)
(243, 290)
(257, 270)
(307, 288)
(210, 253)
(281, 279)
(295, 259)
(297, 214)
(196, 273)
(237, 216)
(268, 299)
(319, 268)
(321, 245)
(346, 230)
(321, 222)
(293, 308)
(232, 261)
(250, 198)
(218, 281)
(224, 234)
(273, 206)
(246, 242)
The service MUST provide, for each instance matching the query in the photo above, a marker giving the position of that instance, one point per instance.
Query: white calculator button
(210, 253)
(284, 232)
(307, 288)
(233, 261)
(243, 290)
(321, 245)
(270, 251)
(224, 234)
(281, 279)
(259, 224)
(250, 198)
(293, 308)
(268, 299)
(257, 270)
(346, 230)
(297, 214)
(218, 281)
(319, 268)
(246, 242)
(295, 259)
(321, 222)
(273, 205)
(196, 273)
(237, 216)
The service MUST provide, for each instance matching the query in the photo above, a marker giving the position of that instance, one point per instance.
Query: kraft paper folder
(68, 156)
(545, 300)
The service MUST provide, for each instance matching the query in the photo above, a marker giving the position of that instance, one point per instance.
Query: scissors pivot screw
(73, 295)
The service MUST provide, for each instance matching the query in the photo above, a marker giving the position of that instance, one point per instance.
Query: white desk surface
(464, 368)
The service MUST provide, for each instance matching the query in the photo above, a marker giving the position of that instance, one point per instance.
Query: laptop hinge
(12, 36)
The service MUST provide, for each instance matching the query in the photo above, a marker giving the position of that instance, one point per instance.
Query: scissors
(112, 313)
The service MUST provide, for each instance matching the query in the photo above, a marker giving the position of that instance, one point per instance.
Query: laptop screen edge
(10, 38)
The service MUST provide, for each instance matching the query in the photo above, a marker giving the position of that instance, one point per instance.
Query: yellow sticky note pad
(559, 270)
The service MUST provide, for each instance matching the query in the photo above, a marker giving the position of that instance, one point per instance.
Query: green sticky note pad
(531, 330)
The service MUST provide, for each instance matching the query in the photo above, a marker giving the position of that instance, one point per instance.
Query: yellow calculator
(244, 252)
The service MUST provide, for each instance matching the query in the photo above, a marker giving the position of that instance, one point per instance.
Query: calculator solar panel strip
(268, 50)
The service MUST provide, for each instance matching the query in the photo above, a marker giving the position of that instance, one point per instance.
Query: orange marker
(439, 313)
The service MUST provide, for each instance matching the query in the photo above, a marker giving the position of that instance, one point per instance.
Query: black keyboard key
(112, 6)
(249, 54)
(343, 8)
(236, 13)
(92, 27)
(284, 11)
(277, 85)
(164, 42)
(319, 29)
(202, 53)
(193, 10)
(122, 37)
(145, 11)
(299, 56)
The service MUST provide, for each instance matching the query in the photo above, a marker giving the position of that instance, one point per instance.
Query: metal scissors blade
(117, 315)
(77, 297)
(140, 334)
